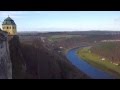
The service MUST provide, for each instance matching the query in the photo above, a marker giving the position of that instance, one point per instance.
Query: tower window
(7, 27)
(10, 27)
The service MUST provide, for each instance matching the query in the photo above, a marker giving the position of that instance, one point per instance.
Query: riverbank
(88, 69)
(96, 61)
(68, 49)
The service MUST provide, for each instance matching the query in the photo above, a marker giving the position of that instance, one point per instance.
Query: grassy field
(96, 61)
(60, 37)
(107, 49)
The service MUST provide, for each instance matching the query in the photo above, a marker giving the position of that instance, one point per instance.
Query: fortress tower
(9, 26)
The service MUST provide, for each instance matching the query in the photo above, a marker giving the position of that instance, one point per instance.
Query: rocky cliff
(17, 59)
(5, 61)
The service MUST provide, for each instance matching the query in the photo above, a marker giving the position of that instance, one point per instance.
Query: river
(91, 71)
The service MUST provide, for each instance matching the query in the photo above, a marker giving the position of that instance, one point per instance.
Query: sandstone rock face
(5, 62)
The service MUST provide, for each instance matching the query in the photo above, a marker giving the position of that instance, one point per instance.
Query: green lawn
(96, 61)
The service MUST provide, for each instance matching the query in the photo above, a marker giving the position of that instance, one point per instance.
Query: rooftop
(8, 21)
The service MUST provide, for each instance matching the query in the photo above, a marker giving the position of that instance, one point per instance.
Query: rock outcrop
(18, 64)
(5, 61)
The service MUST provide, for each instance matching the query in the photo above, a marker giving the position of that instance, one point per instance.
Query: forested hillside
(32, 60)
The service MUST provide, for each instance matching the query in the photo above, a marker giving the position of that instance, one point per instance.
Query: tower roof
(8, 21)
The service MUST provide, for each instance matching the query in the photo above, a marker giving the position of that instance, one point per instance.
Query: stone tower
(9, 26)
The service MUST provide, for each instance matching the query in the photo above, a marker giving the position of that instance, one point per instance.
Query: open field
(61, 37)
(109, 50)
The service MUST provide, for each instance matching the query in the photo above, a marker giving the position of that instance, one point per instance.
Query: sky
(63, 20)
